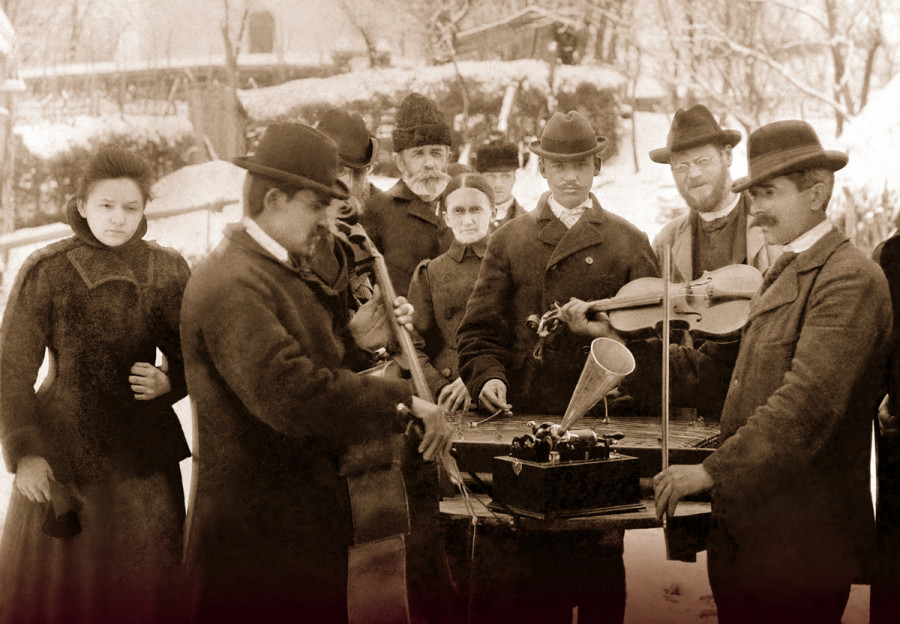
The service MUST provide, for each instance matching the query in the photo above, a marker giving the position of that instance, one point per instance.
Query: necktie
(775, 270)
(570, 216)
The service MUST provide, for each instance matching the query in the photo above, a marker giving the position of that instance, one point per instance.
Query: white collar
(723, 212)
(809, 238)
(265, 241)
(558, 208)
(503, 209)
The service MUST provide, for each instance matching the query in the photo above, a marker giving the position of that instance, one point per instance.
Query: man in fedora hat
(357, 150)
(498, 161)
(267, 352)
(791, 509)
(716, 231)
(568, 246)
(403, 221)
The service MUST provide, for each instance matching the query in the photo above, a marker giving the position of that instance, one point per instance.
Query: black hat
(783, 147)
(295, 153)
(568, 137)
(356, 148)
(497, 155)
(690, 128)
(419, 122)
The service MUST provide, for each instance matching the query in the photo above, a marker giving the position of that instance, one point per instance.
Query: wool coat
(792, 515)
(532, 262)
(267, 355)
(406, 230)
(96, 310)
(677, 234)
(516, 210)
(439, 292)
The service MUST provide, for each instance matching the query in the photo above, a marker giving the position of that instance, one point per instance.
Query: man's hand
(33, 475)
(676, 482)
(493, 396)
(575, 315)
(148, 382)
(436, 440)
(371, 328)
(454, 397)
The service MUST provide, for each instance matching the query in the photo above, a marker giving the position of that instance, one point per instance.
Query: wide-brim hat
(357, 149)
(298, 154)
(691, 128)
(567, 137)
(783, 147)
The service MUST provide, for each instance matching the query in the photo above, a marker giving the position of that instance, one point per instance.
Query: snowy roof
(528, 15)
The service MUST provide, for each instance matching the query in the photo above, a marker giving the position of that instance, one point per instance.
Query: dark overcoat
(792, 513)
(266, 360)
(439, 292)
(406, 230)
(516, 210)
(532, 262)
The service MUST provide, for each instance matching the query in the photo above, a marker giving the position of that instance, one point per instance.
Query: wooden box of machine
(567, 488)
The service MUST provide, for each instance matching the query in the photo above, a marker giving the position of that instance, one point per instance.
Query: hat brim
(602, 142)
(726, 137)
(246, 162)
(355, 163)
(825, 159)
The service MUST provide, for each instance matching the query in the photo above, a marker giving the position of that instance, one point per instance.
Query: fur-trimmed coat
(530, 263)
(266, 355)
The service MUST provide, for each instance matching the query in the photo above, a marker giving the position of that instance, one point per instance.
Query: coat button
(449, 314)
(589, 260)
(446, 373)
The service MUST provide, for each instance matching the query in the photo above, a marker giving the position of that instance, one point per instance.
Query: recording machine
(557, 471)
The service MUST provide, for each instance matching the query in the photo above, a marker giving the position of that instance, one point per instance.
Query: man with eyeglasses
(715, 232)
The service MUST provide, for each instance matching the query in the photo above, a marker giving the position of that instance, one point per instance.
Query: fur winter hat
(419, 122)
(497, 155)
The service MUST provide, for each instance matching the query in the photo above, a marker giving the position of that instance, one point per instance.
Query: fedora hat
(298, 154)
(567, 137)
(690, 128)
(783, 147)
(356, 148)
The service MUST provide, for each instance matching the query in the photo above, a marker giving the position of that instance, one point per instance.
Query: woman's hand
(33, 475)
(148, 382)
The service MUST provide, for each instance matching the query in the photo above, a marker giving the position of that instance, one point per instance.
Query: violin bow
(666, 271)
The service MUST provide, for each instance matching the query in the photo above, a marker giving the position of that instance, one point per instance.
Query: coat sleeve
(170, 341)
(428, 335)
(273, 373)
(844, 328)
(24, 336)
(484, 339)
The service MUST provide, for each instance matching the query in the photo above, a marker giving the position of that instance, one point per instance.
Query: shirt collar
(809, 238)
(503, 209)
(723, 212)
(559, 209)
(265, 241)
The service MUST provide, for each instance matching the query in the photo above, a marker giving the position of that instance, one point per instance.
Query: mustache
(764, 219)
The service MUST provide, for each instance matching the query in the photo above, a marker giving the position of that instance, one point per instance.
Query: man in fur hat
(403, 221)
(568, 246)
(498, 161)
(791, 508)
(286, 429)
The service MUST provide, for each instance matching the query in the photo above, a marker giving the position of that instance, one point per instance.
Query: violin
(714, 306)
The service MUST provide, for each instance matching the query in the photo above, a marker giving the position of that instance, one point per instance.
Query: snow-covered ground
(647, 198)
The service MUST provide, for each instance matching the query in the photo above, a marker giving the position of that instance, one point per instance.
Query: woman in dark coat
(94, 527)
(440, 288)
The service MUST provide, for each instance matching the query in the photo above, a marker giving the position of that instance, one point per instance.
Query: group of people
(316, 482)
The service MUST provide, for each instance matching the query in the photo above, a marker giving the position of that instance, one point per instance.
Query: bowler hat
(690, 128)
(419, 122)
(497, 155)
(783, 147)
(298, 154)
(356, 148)
(568, 137)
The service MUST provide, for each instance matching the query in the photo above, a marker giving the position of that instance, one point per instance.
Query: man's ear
(398, 161)
(726, 155)
(817, 196)
(541, 166)
(598, 164)
(271, 198)
(80, 205)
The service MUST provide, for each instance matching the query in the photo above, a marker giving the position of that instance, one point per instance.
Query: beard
(703, 200)
(427, 184)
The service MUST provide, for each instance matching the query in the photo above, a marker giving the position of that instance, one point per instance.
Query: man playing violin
(791, 509)
(568, 246)
(279, 413)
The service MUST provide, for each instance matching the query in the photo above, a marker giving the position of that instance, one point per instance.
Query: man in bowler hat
(568, 246)
(791, 509)
(498, 161)
(279, 411)
(403, 221)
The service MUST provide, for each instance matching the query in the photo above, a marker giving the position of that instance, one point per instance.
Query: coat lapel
(414, 204)
(682, 251)
(585, 233)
